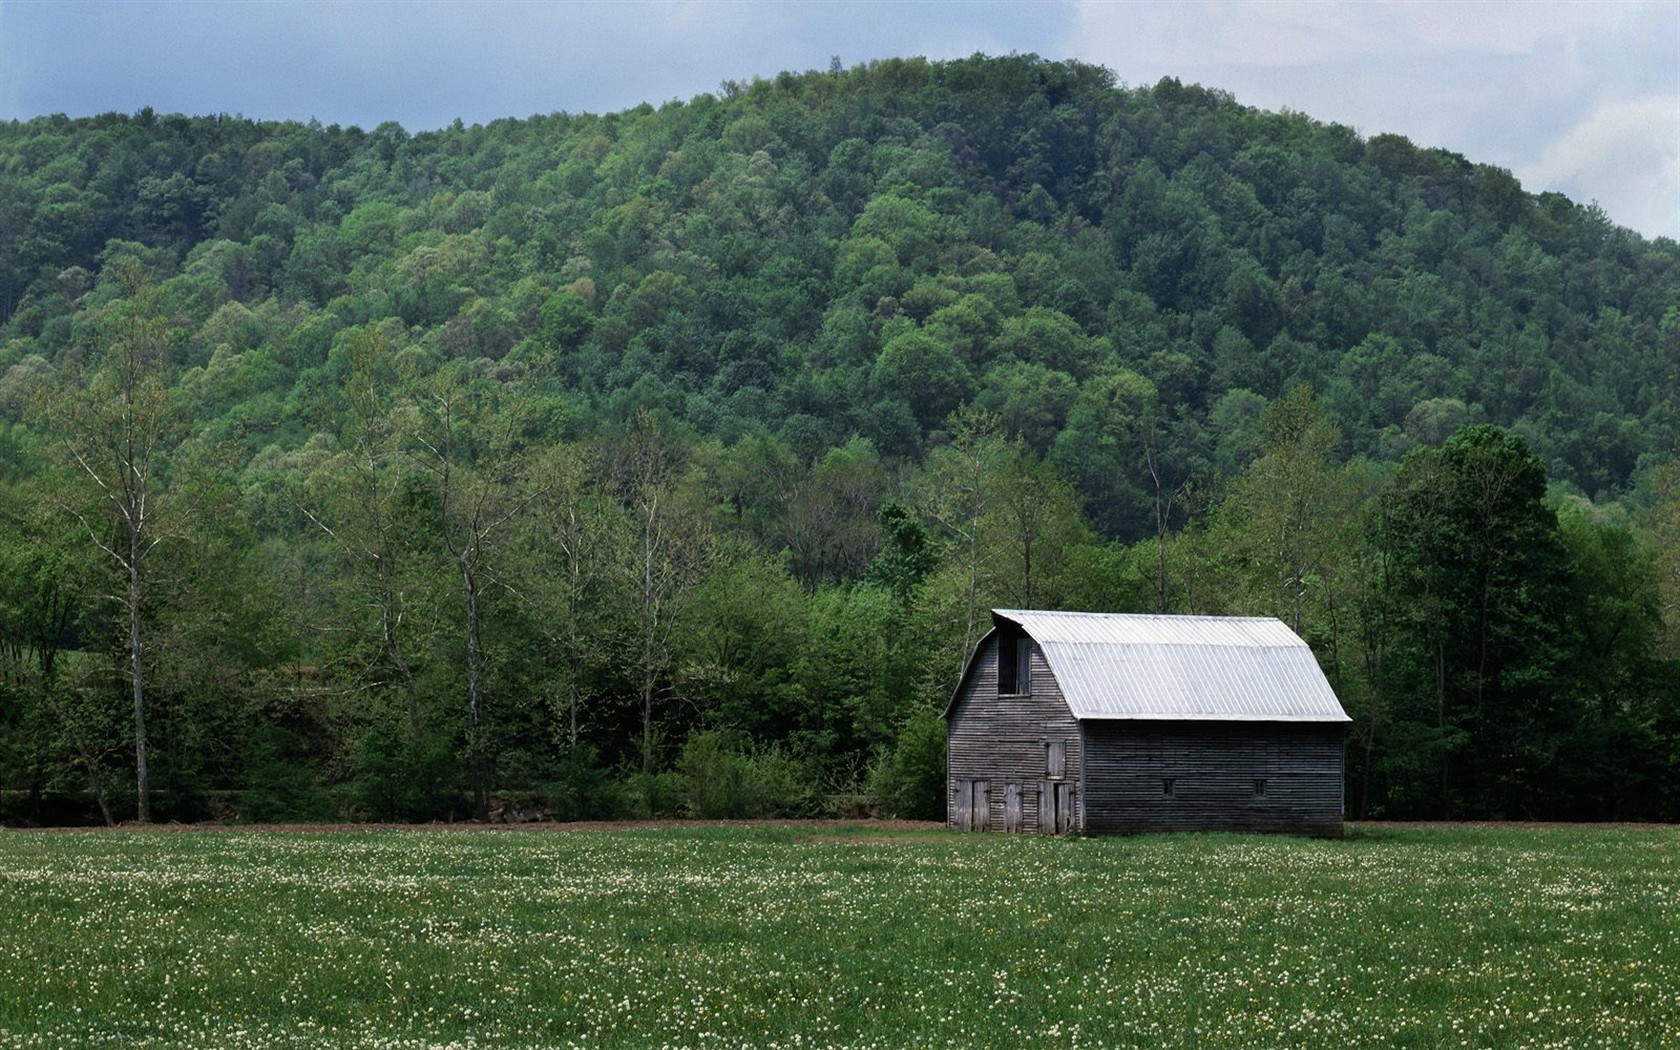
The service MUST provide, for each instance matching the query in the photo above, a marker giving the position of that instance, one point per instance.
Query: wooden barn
(1097, 722)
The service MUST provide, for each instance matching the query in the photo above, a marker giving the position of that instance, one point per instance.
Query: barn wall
(999, 741)
(1214, 769)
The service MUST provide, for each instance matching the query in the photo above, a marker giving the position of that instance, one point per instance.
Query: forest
(669, 462)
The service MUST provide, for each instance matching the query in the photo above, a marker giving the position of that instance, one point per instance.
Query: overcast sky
(1583, 98)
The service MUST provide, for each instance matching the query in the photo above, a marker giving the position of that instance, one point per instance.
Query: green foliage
(906, 556)
(719, 781)
(909, 780)
(403, 775)
(909, 340)
(1477, 569)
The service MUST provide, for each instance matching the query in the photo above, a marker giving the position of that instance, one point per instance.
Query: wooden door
(973, 805)
(1055, 807)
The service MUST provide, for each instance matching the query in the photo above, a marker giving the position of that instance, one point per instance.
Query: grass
(763, 937)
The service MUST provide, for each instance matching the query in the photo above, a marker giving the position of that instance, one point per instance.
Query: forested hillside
(669, 460)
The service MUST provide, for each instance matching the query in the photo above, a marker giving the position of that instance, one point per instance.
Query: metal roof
(1190, 668)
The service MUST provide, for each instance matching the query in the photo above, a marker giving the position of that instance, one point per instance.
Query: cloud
(1626, 155)
(1283, 33)
(1553, 91)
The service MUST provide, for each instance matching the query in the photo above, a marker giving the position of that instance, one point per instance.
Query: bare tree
(674, 547)
(355, 503)
(957, 496)
(464, 433)
(117, 429)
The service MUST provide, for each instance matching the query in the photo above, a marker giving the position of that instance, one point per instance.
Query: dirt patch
(854, 830)
(1533, 824)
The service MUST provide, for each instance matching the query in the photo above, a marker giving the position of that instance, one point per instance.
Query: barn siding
(1001, 740)
(1213, 768)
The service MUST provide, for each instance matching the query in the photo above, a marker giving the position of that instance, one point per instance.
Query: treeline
(669, 461)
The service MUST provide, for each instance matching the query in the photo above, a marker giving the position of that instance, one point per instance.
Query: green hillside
(668, 460)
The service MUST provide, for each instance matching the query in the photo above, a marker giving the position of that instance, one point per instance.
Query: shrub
(721, 781)
(909, 780)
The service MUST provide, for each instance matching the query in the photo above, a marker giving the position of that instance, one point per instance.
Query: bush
(720, 781)
(643, 796)
(909, 780)
(580, 788)
(404, 776)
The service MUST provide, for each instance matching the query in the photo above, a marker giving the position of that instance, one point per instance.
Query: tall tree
(673, 550)
(1038, 522)
(1293, 501)
(575, 539)
(957, 496)
(1478, 569)
(355, 499)
(117, 428)
(465, 433)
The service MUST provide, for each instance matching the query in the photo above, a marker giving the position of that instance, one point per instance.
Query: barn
(1104, 723)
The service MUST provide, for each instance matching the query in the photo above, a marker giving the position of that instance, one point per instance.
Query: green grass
(706, 937)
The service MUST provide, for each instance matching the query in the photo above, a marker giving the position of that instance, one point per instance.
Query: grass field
(777, 937)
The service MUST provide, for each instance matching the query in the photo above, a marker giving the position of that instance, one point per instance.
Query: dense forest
(669, 461)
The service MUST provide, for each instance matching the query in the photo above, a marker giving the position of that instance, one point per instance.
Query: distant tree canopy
(667, 460)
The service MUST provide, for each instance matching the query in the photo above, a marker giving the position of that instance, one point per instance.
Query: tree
(923, 371)
(957, 498)
(673, 549)
(1661, 521)
(465, 435)
(1476, 571)
(575, 540)
(1292, 501)
(1102, 449)
(1612, 744)
(117, 429)
(1038, 522)
(356, 501)
(41, 588)
(906, 556)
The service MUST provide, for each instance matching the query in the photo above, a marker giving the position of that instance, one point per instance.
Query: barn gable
(1100, 722)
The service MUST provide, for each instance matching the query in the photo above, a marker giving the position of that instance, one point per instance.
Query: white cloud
(1626, 155)
(1303, 32)
(1569, 96)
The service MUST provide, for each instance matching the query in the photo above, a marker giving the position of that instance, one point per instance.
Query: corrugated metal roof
(1192, 668)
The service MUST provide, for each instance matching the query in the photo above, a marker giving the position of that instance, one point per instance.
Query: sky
(1578, 97)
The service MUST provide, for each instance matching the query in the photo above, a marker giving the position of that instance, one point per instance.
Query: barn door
(972, 805)
(1012, 806)
(1055, 807)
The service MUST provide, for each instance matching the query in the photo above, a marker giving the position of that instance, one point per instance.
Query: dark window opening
(1014, 665)
(1259, 786)
(1166, 785)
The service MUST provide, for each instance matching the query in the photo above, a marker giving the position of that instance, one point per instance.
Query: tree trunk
(649, 627)
(393, 649)
(142, 776)
(1441, 724)
(475, 731)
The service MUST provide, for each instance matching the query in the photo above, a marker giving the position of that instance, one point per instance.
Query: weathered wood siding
(1226, 776)
(999, 752)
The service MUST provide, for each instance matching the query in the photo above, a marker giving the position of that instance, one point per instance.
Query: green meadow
(851, 937)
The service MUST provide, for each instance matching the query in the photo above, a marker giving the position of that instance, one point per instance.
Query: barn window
(1014, 665)
(1259, 785)
(1055, 759)
(1166, 785)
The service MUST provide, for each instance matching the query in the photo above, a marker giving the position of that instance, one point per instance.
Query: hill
(871, 348)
